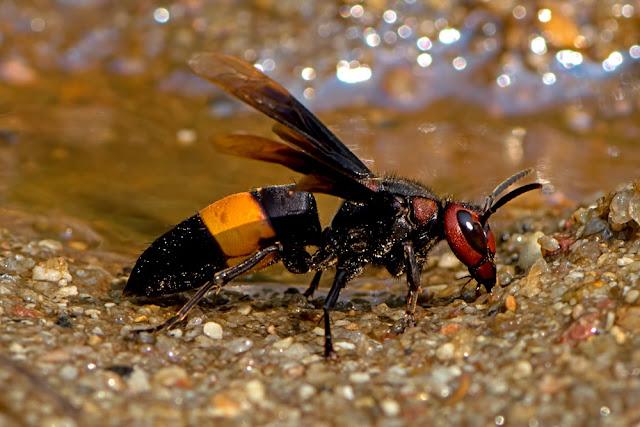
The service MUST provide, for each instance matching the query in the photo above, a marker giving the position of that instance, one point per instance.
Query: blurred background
(101, 120)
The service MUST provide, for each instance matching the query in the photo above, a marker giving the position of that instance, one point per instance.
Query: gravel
(558, 344)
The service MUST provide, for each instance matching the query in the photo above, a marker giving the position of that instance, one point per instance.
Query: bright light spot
(353, 73)
(627, 11)
(357, 11)
(371, 37)
(544, 15)
(539, 46)
(459, 63)
(503, 80)
(569, 58)
(489, 29)
(519, 12)
(549, 79)
(390, 37)
(389, 16)
(345, 11)
(634, 51)
(449, 35)
(309, 93)
(37, 24)
(612, 62)
(605, 411)
(499, 420)
(308, 73)
(424, 60)
(161, 15)
(259, 66)
(424, 43)
(404, 32)
(268, 64)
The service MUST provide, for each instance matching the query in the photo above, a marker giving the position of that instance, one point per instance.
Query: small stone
(624, 261)
(255, 391)
(138, 381)
(634, 208)
(52, 245)
(529, 251)
(213, 330)
(523, 369)
(632, 296)
(94, 339)
(244, 309)
(68, 372)
(318, 331)
(359, 377)
(445, 351)
(66, 291)
(306, 391)
(283, 344)
(172, 376)
(345, 345)
(52, 270)
(390, 407)
(240, 345)
(548, 243)
(510, 303)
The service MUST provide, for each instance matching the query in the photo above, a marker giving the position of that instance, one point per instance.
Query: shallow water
(101, 119)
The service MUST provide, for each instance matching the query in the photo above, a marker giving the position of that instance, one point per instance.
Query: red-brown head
(468, 233)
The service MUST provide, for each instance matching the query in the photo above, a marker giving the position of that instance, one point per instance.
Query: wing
(254, 88)
(319, 177)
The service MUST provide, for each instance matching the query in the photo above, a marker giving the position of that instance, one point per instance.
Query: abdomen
(223, 234)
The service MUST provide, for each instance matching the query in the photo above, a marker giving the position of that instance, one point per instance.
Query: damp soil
(556, 343)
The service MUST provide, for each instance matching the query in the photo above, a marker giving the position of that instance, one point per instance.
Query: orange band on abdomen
(238, 224)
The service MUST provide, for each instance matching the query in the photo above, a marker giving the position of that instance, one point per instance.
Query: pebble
(213, 330)
(255, 391)
(345, 345)
(66, 291)
(318, 331)
(283, 344)
(390, 407)
(52, 270)
(138, 381)
(632, 296)
(244, 309)
(359, 377)
(306, 391)
(510, 303)
(445, 351)
(171, 376)
(624, 261)
(240, 345)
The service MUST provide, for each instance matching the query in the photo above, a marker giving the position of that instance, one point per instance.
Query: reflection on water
(100, 118)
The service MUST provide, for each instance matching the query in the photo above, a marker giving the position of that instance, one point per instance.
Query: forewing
(254, 88)
(319, 177)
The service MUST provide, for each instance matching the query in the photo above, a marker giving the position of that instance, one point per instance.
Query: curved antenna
(506, 198)
(500, 188)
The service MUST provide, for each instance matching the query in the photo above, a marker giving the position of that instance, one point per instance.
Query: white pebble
(359, 377)
(632, 296)
(390, 407)
(138, 381)
(66, 291)
(318, 331)
(345, 345)
(52, 270)
(306, 391)
(255, 391)
(213, 330)
(624, 261)
(445, 351)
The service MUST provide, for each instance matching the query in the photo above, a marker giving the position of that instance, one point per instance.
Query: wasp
(388, 222)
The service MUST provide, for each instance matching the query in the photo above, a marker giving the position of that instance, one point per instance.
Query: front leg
(413, 282)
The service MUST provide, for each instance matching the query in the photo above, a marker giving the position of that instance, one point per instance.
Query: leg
(220, 279)
(313, 286)
(339, 282)
(413, 281)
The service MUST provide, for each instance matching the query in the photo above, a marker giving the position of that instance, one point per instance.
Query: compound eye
(472, 232)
